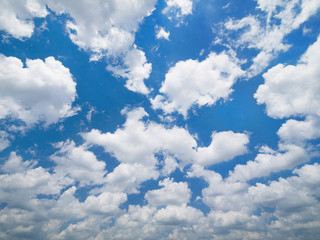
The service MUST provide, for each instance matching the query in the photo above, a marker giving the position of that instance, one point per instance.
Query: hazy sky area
(168, 119)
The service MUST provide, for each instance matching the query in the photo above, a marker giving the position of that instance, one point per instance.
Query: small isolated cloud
(41, 91)
(193, 83)
(162, 33)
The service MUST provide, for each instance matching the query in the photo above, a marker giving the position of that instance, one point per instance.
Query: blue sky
(169, 119)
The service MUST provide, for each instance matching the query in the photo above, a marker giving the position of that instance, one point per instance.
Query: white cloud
(4, 140)
(128, 177)
(177, 215)
(22, 182)
(41, 91)
(171, 193)
(106, 203)
(179, 7)
(224, 147)
(269, 161)
(267, 33)
(293, 90)
(264, 211)
(293, 131)
(138, 142)
(16, 16)
(103, 27)
(78, 163)
(108, 29)
(162, 33)
(135, 69)
(191, 83)
(15, 164)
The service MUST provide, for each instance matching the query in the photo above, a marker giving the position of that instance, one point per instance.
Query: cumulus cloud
(294, 131)
(224, 147)
(269, 161)
(16, 17)
(193, 83)
(78, 163)
(162, 33)
(128, 177)
(171, 193)
(293, 90)
(108, 29)
(267, 33)
(281, 207)
(179, 7)
(41, 91)
(102, 28)
(139, 142)
(135, 69)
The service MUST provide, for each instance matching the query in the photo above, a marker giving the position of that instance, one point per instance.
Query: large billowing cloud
(193, 83)
(139, 142)
(40, 91)
(293, 90)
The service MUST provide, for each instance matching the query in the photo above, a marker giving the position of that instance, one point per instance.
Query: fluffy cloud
(78, 163)
(179, 7)
(22, 181)
(162, 33)
(293, 131)
(171, 193)
(267, 33)
(108, 30)
(128, 177)
(135, 69)
(139, 142)
(191, 83)
(177, 215)
(103, 26)
(16, 16)
(41, 91)
(224, 147)
(268, 211)
(293, 90)
(268, 161)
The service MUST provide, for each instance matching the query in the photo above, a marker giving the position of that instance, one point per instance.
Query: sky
(168, 119)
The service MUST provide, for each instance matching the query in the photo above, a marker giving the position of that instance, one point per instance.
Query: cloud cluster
(266, 34)
(105, 29)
